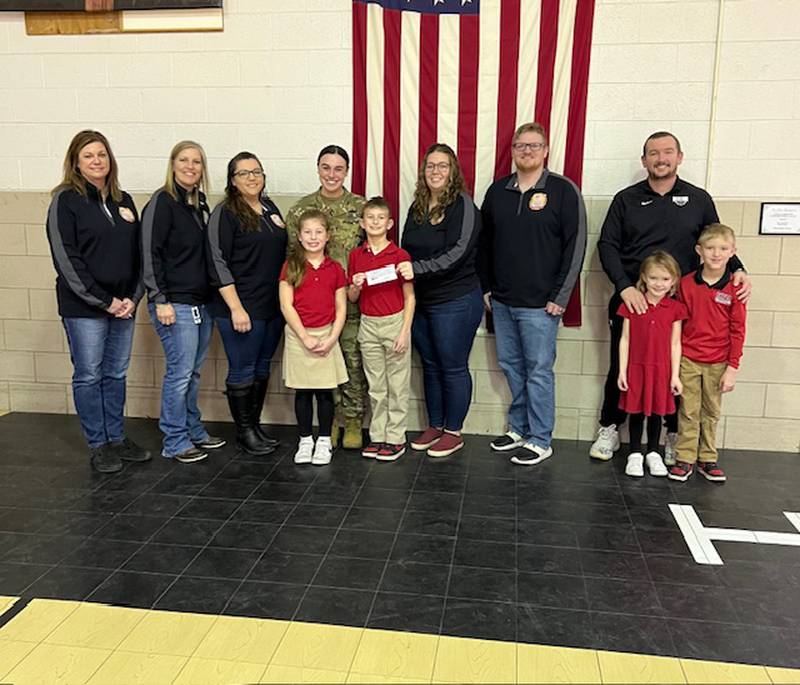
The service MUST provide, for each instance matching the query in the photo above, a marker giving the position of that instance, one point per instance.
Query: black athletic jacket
(251, 260)
(532, 243)
(96, 253)
(443, 255)
(174, 249)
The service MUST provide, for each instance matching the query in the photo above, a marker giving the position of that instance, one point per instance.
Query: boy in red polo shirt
(712, 342)
(387, 310)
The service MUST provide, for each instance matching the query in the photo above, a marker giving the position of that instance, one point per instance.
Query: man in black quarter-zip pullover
(662, 212)
(530, 256)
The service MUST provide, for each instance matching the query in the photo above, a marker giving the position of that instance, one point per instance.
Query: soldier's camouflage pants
(351, 398)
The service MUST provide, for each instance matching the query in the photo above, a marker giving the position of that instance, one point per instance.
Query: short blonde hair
(662, 260)
(201, 187)
(717, 231)
(530, 127)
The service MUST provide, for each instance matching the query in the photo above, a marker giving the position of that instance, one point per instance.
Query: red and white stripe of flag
(467, 81)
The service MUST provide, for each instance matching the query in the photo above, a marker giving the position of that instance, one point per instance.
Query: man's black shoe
(212, 442)
(105, 459)
(128, 450)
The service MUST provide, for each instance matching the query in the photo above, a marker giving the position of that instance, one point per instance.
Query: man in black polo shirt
(532, 245)
(663, 212)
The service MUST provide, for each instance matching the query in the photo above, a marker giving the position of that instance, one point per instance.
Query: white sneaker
(654, 464)
(531, 454)
(606, 444)
(635, 465)
(305, 449)
(322, 452)
(669, 449)
(509, 441)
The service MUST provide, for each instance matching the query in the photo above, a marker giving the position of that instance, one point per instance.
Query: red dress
(649, 358)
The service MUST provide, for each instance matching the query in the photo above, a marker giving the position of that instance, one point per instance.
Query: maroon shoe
(428, 437)
(681, 471)
(371, 450)
(711, 471)
(446, 445)
(390, 452)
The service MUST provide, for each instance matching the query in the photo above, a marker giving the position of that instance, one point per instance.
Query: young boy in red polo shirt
(387, 310)
(712, 342)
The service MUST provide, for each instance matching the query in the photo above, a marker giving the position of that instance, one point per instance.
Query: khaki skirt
(303, 369)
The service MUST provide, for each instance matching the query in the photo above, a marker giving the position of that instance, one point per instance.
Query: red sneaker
(371, 450)
(428, 437)
(446, 445)
(389, 452)
(681, 471)
(711, 471)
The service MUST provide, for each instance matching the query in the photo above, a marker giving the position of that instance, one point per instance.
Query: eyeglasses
(244, 173)
(533, 147)
(441, 166)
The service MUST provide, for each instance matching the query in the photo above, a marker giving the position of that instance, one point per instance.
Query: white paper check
(382, 275)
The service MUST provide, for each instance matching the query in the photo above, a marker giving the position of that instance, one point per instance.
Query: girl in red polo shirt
(314, 304)
(649, 359)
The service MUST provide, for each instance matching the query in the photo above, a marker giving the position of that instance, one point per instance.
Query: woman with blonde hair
(174, 251)
(93, 229)
(441, 235)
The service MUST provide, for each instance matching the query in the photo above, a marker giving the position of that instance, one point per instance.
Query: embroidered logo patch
(127, 214)
(538, 201)
(724, 298)
(277, 220)
(680, 200)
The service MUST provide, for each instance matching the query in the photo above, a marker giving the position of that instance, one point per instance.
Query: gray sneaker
(189, 456)
(669, 449)
(606, 444)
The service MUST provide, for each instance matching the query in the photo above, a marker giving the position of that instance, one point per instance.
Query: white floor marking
(700, 539)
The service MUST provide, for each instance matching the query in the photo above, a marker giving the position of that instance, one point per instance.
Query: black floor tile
(362, 518)
(482, 583)
(541, 559)
(329, 605)
(560, 627)
(367, 544)
(131, 589)
(547, 533)
(98, 553)
(322, 515)
(245, 535)
(638, 634)
(14, 578)
(265, 600)
(382, 498)
(349, 572)
(439, 502)
(504, 506)
(613, 564)
(429, 523)
(157, 504)
(677, 569)
(21, 520)
(157, 558)
(197, 595)
(76, 523)
(487, 486)
(180, 531)
(133, 528)
(727, 642)
(209, 508)
(414, 613)
(487, 528)
(624, 596)
(302, 540)
(616, 538)
(43, 549)
(263, 512)
(774, 607)
(321, 493)
(486, 554)
(217, 562)
(415, 578)
(426, 549)
(231, 488)
(280, 492)
(689, 601)
(283, 567)
(65, 582)
(476, 619)
(556, 591)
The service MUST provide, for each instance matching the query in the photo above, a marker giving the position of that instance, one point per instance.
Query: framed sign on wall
(779, 218)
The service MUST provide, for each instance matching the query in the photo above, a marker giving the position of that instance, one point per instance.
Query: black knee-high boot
(259, 394)
(241, 406)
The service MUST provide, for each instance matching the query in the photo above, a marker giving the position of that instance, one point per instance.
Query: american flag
(465, 73)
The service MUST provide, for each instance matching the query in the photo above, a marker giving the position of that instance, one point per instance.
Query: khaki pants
(388, 375)
(699, 411)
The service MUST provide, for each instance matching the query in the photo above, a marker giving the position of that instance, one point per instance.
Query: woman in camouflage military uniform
(344, 211)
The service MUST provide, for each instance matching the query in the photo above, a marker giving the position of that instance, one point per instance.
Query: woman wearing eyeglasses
(247, 247)
(441, 235)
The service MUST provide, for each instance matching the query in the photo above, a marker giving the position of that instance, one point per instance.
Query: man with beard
(662, 212)
(531, 252)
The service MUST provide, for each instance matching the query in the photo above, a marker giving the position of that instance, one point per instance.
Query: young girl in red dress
(649, 359)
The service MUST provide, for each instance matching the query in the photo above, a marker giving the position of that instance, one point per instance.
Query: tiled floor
(570, 553)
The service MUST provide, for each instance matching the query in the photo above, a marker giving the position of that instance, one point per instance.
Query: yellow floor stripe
(6, 603)
(55, 641)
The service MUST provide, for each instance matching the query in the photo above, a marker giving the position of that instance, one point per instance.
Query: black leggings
(304, 411)
(635, 426)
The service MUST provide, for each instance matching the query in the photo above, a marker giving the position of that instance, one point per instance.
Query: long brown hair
(74, 180)
(296, 261)
(422, 194)
(234, 201)
(194, 195)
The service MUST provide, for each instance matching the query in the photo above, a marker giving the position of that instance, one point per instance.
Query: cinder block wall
(763, 412)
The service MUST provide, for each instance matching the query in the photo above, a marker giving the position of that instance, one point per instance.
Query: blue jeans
(443, 335)
(526, 352)
(185, 347)
(249, 354)
(100, 350)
